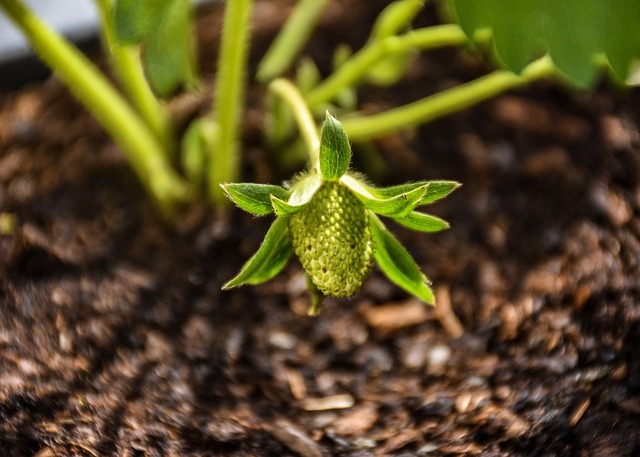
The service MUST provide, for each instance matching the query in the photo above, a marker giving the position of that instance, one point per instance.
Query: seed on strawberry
(332, 239)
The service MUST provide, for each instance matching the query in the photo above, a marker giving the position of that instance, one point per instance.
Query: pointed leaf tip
(254, 198)
(397, 264)
(422, 222)
(270, 258)
(436, 190)
(335, 150)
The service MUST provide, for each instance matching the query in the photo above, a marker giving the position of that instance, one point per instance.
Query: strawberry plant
(150, 48)
(581, 37)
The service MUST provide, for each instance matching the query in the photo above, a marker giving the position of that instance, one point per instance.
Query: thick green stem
(444, 103)
(357, 67)
(138, 143)
(224, 165)
(128, 68)
(303, 117)
(291, 39)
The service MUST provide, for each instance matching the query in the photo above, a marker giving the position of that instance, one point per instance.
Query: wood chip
(393, 317)
(295, 439)
(496, 419)
(579, 411)
(328, 403)
(296, 384)
(357, 421)
(400, 440)
(46, 452)
(445, 314)
(543, 162)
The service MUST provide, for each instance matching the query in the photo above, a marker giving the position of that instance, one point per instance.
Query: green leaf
(335, 151)
(164, 28)
(622, 43)
(134, 19)
(574, 35)
(254, 198)
(396, 263)
(422, 222)
(436, 190)
(269, 260)
(282, 208)
(168, 50)
(573, 32)
(395, 206)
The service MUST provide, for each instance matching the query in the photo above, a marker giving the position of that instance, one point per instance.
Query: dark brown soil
(115, 338)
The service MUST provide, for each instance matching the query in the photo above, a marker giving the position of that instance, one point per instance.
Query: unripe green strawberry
(332, 239)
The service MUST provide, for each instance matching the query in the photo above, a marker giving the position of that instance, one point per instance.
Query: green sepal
(335, 151)
(396, 263)
(254, 198)
(422, 222)
(270, 258)
(436, 190)
(395, 206)
(282, 208)
(304, 189)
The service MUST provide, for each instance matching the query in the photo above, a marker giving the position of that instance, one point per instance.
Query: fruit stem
(292, 96)
(363, 128)
(359, 65)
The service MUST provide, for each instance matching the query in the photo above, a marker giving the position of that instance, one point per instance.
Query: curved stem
(128, 67)
(291, 39)
(357, 67)
(303, 117)
(139, 144)
(445, 102)
(224, 163)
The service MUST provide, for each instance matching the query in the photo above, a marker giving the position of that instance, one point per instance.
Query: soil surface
(115, 338)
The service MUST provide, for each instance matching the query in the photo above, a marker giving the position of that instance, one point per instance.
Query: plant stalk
(443, 103)
(357, 67)
(224, 163)
(291, 39)
(139, 144)
(128, 67)
(292, 96)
